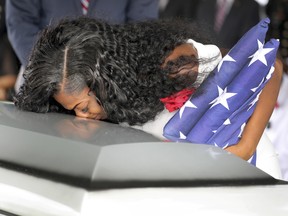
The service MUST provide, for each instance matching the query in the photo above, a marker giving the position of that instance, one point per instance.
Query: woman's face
(85, 104)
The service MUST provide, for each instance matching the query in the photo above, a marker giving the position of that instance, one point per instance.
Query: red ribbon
(177, 100)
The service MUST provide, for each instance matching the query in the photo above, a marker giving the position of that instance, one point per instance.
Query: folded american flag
(217, 112)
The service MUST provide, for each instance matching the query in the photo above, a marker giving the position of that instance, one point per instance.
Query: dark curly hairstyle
(121, 64)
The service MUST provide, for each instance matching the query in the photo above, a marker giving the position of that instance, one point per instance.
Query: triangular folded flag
(218, 111)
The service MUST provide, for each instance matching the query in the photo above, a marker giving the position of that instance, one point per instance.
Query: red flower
(177, 100)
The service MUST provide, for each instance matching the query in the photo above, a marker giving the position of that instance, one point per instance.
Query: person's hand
(256, 125)
(241, 150)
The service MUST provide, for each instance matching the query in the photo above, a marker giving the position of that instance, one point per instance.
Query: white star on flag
(270, 72)
(255, 89)
(226, 58)
(254, 101)
(241, 129)
(182, 136)
(260, 54)
(227, 122)
(188, 104)
(225, 146)
(222, 98)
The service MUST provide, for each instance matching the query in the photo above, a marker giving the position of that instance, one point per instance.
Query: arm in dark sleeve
(142, 10)
(22, 20)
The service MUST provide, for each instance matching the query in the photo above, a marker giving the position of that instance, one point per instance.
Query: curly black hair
(121, 64)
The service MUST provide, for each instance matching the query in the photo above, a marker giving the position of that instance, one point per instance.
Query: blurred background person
(277, 11)
(26, 18)
(225, 20)
(183, 9)
(9, 64)
(228, 20)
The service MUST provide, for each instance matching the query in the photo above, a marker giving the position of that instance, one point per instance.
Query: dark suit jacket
(184, 9)
(243, 15)
(25, 18)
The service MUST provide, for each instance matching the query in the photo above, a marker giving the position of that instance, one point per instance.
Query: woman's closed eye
(85, 110)
(82, 107)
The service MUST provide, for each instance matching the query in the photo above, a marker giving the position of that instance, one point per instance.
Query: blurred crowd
(225, 20)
